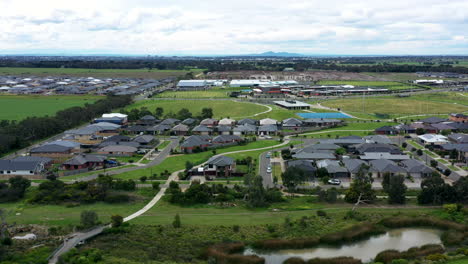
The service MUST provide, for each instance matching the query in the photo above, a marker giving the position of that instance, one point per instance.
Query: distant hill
(275, 54)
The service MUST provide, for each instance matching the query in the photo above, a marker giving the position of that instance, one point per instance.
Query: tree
(461, 189)
(88, 219)
(340, 151)
(188, 165)
(116, 220)
(420, 131)
(176, 223)
(395, 187)
(435, 191)
(419, 152)
(256, 195)
(19, 184)
(158, 113)
(434, 163)
(184, 113)
(207, 112)
(361, 190)
(293, 176)
(143, 178)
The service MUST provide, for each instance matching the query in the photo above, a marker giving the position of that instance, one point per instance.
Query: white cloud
(235, 27)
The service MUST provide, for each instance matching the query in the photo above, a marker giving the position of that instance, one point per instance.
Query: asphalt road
(160, 158)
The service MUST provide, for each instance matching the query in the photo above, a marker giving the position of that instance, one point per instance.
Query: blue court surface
(323, 115)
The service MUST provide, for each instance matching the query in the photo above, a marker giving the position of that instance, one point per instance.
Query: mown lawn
(177, 162)
(389, 85)
(221, 108)
(210, 93)
(397, 107)
(18, 107)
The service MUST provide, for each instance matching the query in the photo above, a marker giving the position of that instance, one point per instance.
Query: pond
(399, 239)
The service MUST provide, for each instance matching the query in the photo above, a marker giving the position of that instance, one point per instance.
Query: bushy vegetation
(336, 260)
(102, 189)
(435, 191)
(388, 256)
(14, 190)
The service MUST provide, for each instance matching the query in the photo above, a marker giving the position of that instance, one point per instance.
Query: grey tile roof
(51, 148)
(433, 120)
(223, 128)
(159, 128)
(209, 121)
(202, 128)
(44, 160)
(226, 138)
(118, 148)
(459, 138)
(383, 165)
(170, 121)
(416, 166)
(144, 139)
(220, 161)
(189, 121)
(292, 122)
(268, 128)
(245, 128)
(332, 166)
(247, 121)
(11, 165)
(353, 165)
(376, 147)
(83, 159)
(305, 165)
(180, 128)
(313, 156)
(381, 139)
(194, 141)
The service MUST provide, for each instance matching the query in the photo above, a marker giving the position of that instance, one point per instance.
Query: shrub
(399, 261)
(116, 220)
(176, 223)
(388, 256)
(298, 243)
(236, 228)
(436, 257)
(117, 198)
(294, 260)
(321, 213)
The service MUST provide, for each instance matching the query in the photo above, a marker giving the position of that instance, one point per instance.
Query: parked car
(269, 169)
(268, 155)
(334, 182)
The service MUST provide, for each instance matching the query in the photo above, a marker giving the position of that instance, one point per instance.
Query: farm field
(397, 107)
(110, 73)
(18, 107)
(221, 108)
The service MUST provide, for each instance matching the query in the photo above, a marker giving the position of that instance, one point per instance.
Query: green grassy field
(177, 162)
(361, 83)
(221, 108)
(18, 107)
(61, 215)
(397, 107)
(131, 73)
(355, 129)
(215, 92)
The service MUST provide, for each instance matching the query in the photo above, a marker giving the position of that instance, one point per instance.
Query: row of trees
(16, 135)
(184, 113)
(227, 65)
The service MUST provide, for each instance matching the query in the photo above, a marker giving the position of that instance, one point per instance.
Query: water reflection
(366, 250)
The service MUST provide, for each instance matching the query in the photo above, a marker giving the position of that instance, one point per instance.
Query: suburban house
(170, 122)
(321, 122)
(313, 155)
(416, 168)
(268, 130)
(202, 130)
(28, 169)
(117, 138)
(223, 130)
(56, 152)
(458, 117)
(148, 120)
(245, 129)
(220, 166)
(189, 121)
(118, 150)
(226, 140)
(462, 150)
(116, 118)
(354, 165)
(433, 139)
(227, 122)
(138, 129)
(209, 122)
(383, 155)
(247, 121)
(195, 142)
(458, 138)
(376, 147)
(379, 139)
(381, 166)
(180, 129)
(145, 140)
(292, 123)
(406, 129)
(84, 162)
(333, 167)
(432, 120)
(158, 129)
(386, 130)
(268, 121)
(305, 165)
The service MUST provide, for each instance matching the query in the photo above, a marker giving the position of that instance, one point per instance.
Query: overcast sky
(214, 27)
